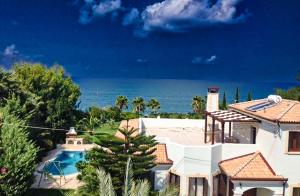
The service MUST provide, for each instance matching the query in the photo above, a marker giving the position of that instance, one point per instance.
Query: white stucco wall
(202, 160)
(171, 123)
(274, 148)
(264, 188)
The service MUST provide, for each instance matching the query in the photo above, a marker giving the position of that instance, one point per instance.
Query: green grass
(50, 192)
(108, 129)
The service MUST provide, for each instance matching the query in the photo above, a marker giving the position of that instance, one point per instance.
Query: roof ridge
(283, 113)
(247, 163)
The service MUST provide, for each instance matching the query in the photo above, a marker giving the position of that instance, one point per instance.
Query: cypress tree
(224, 102)
(237, 95)
(249, 97)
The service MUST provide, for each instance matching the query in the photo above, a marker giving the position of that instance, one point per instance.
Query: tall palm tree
(89, 124)
(122, 102)
(198, 104)
(138, 105)
(154, 105)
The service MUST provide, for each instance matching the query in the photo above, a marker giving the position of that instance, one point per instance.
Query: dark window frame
(294, 191)
(196, 180)
(294, 141)
(174, 179)
(253, 134)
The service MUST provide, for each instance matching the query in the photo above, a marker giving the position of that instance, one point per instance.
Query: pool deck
(70, 181)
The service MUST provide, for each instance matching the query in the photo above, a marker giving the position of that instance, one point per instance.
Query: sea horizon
(174, 95)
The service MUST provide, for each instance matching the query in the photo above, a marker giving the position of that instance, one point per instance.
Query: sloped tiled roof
(161, 154)
(249, 167)
(287, 111)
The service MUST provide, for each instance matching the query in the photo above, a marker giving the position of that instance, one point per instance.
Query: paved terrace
(167, 129)
(186, 136)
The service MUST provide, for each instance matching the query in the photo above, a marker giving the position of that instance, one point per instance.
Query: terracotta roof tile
(251, 166)
(287, 111)
(161, 154)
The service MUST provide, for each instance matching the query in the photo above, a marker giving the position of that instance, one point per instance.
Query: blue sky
(230, 40)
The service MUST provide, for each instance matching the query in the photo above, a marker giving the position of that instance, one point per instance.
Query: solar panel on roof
(261, 106)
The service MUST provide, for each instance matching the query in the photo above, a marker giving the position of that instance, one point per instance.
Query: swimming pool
(67, 161)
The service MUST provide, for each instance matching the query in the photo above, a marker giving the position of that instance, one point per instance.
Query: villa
(251, 149)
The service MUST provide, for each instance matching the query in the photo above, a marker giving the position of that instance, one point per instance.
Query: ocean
(174, 95)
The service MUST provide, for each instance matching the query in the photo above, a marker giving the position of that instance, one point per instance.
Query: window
(296, 191)
(174, 179)
(197, 187)
(294, 141)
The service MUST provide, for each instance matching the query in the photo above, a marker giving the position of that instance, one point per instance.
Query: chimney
(212, 103)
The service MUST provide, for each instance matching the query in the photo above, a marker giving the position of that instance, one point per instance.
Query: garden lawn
(108, 128)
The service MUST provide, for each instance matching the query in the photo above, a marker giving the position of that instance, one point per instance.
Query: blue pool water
(67, 161)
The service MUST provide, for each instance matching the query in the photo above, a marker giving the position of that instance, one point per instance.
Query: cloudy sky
(230, 40)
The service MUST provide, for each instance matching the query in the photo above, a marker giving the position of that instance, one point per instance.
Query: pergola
(224, 116)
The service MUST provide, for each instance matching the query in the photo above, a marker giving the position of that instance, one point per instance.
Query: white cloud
(211, 59)
(201, 60)
(10, 51)
(180, 15)
(141, 60)
(93, 9)
(106, 7)
(131, 17)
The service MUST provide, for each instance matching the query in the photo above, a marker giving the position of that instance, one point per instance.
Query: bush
(18, 156)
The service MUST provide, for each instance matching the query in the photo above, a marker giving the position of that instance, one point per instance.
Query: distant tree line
(292, 93)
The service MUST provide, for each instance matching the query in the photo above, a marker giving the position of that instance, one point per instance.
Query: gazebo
(224, 116)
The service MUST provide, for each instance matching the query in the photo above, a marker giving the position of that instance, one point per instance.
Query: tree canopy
(224, 102)
(113, 155)
(198, 105)
(138, 105)
(122, 102)
(237, 95)
(154, 105)
(56, 93)
(44, 96)
(292, 93)
(17, 155)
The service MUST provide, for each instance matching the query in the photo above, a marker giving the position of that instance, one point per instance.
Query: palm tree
(154, 105)
(121, 102)
(198, 104)
(89, 124)
(138, 105)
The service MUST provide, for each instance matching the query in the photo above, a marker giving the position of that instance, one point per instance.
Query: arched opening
(78, 142)
(258, 192)
(70, 142)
